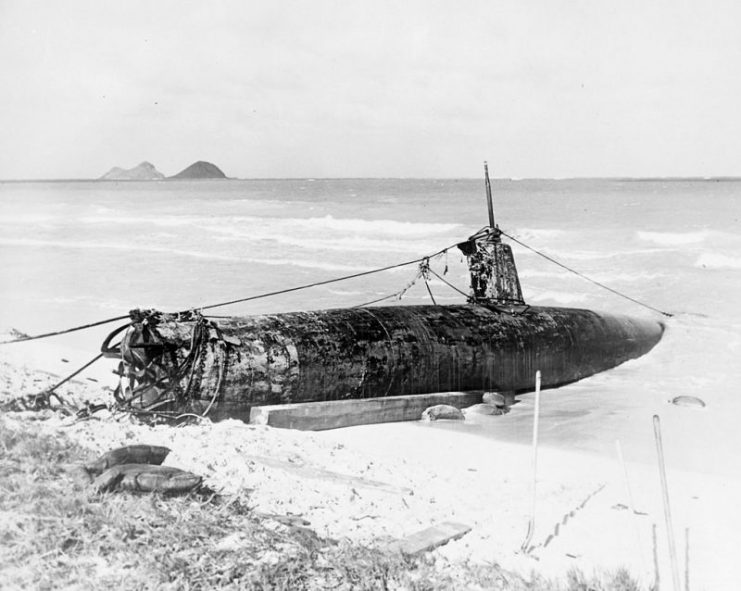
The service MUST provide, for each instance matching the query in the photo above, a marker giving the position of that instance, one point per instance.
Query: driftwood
(430, 538)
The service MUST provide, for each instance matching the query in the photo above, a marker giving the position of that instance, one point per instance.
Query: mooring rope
(74, 373)
(328, 281)
(575, 272)
(397, 294)
(171, 385)
(354, 276)
(376, 301)
(43, 399)
(450, 285)
(175, 375)
(422, 272)
(65, 331)
(240, 300)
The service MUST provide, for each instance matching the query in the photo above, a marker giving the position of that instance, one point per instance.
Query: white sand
(375, 483)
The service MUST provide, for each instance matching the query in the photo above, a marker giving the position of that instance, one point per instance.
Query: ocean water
(78, 252)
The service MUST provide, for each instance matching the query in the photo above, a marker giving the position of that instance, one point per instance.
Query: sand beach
(375, 484)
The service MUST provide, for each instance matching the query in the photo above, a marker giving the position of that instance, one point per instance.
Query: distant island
(146, 171)
(143, 172)
(200, 170)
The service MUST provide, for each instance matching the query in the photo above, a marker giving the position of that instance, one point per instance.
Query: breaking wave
(539, 234)
(374, 227)
(612, 277)
(313, 224)
(308, 264)
(309, 234)
(587, 255)
(557, 297)
(25, 219)
(346, 292)
(344, 244)
(673, 238)
(115, 246)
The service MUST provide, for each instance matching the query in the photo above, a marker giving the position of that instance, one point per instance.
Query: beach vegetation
(55, 533)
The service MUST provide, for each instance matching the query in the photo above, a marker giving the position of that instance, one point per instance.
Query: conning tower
(494, 279)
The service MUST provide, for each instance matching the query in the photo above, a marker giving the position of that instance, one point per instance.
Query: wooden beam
(318, 416)
(430, 538)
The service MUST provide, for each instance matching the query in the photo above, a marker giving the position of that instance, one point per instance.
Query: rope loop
(163, 359)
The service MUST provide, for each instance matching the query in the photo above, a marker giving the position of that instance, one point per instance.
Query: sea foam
(386, 227)
(556, 297)
(268, 261)
(673, 238)
(711, 260)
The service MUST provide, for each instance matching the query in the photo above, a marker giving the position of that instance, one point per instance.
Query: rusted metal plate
(493, 271)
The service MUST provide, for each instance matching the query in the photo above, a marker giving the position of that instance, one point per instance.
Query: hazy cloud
(331, 88)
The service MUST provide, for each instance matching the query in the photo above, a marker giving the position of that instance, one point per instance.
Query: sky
(376, 88)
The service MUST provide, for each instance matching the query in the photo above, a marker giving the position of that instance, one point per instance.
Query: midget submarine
(186, 363)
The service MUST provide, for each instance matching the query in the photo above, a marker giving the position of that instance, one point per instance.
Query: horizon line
(377, 178)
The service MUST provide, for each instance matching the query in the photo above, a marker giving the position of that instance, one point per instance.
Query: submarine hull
(400, 350)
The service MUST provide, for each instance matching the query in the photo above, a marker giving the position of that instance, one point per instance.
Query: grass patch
(55, 533)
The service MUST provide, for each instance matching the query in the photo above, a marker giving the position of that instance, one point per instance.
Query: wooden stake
(686, 559)
(657, 577)
(667, 508)
(525, 547)
(625, 475)
(631, 504)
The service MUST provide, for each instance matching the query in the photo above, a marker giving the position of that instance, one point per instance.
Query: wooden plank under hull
(318, 416)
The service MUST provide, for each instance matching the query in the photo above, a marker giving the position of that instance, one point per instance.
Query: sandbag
(442, 411)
